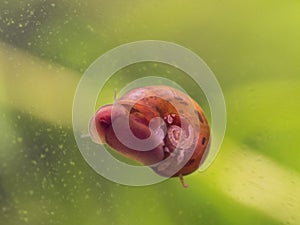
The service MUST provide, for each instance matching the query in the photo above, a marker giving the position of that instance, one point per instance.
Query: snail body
(158, 126)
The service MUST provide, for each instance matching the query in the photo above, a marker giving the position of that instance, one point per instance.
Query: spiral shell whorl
(177, 137)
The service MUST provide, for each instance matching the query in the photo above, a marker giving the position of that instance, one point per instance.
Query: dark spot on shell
(199, 116)
(134, 110)
(181, 111)
(203, 140)
(157, 109)
(183, 103)
(190, 162)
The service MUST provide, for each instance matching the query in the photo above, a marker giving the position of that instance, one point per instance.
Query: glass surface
(252, 48)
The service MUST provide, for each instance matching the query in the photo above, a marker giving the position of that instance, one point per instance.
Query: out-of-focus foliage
(252, 47)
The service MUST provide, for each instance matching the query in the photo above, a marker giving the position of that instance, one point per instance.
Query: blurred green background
(253, 48)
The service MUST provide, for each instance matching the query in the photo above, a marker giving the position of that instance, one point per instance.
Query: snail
(157, 126)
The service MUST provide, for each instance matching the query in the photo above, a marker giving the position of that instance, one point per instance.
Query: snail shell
(172, 123)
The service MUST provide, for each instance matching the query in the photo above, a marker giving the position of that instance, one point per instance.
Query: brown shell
(173, 106)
